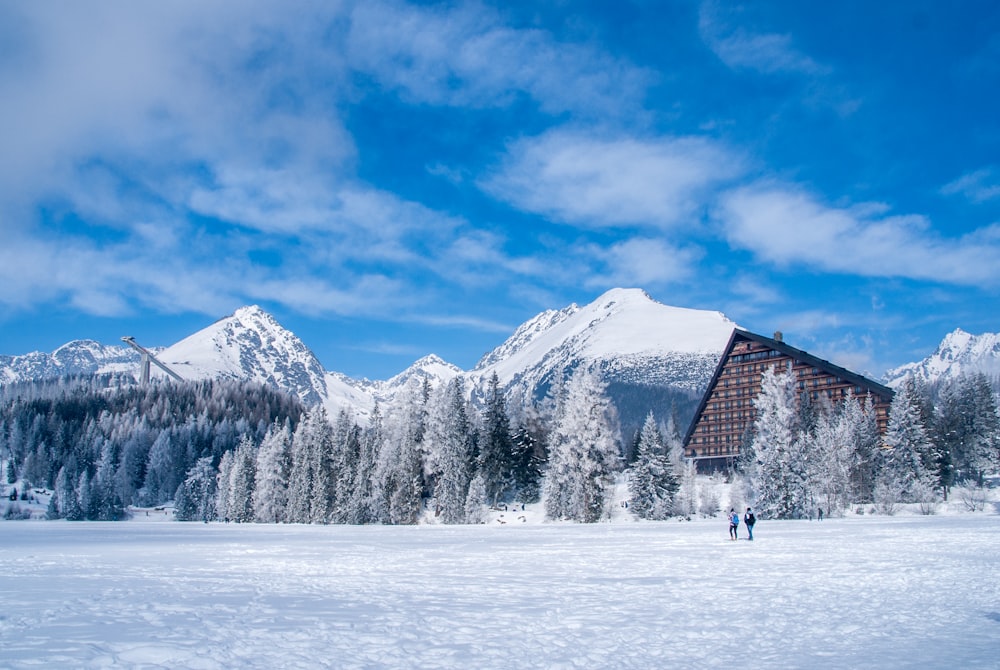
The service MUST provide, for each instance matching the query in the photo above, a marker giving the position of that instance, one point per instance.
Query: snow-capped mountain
(648, 352)
(430, 368)
(250, 345)
(959, 353)
(80, 357)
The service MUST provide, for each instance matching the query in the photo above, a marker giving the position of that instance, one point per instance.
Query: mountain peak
(958, 353)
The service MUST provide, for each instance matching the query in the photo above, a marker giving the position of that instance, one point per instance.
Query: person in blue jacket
(734, 523)
(749, 519)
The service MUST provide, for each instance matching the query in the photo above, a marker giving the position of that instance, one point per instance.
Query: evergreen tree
(450, 461)
(496, 456)
(528, 459)
(241, 481)
(224, 480)
(299, 477)
(363, 507)
(585, 452)
(904, 476)
(195, 499)
(270, 497)
(653, 484)
(775, 478)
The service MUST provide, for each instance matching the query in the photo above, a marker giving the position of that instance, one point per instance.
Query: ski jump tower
(147, 358)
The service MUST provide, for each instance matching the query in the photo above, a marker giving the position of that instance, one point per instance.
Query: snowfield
(859, 592)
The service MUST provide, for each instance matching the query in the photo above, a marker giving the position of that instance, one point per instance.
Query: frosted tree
(904, 475)
(585, 452)
(449, 447)
(345, 461)
(475, 500)
(319, 448)
(300, 476)
(242, 477)
(223, 481)
(653, 484)
(776, 476)
(196, 496)
(65, 491)
(860, 423)
(833, 455)
(982, 453)
(363, 507)
(400, 466)
(274, 460)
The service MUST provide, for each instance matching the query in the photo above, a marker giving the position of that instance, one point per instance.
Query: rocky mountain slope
(651, 354)
(959, 353)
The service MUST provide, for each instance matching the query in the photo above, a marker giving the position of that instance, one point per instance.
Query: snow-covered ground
(861, 592)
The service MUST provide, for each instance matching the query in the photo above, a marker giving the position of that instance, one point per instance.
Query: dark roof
(740, 335)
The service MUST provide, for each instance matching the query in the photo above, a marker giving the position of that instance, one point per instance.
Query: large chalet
(726, 412)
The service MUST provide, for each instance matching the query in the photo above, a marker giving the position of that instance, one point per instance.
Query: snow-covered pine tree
(496, 449)
(223, 481)
(982, 454)
(400, 466)
(775, 476)
(475, 500)
(451, 466)
(653, 484)
(832, 458)
(528, 460)
(346, 458)
(241, 481)
(585, 452)
(274, 460)
(903, 474)
(859, 414)
(195, 499)
(364, 497)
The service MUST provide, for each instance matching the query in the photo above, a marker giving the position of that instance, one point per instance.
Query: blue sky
(392, 179)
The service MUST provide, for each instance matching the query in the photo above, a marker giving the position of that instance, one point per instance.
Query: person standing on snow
(749, 519)
(734, 522)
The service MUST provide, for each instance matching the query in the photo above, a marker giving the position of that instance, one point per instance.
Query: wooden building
(725, 416)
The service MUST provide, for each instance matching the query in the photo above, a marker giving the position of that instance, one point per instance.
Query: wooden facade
(726, 414)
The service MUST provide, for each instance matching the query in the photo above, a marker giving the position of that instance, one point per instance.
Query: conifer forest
(244, 452)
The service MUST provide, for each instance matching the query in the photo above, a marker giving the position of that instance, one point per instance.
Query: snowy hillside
(959, 353)
(249, 345)
(80, 357)
(651, 354)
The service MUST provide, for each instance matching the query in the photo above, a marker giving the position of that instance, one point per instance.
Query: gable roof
(740, 335)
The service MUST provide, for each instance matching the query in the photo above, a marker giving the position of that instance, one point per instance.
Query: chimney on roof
(778, 336)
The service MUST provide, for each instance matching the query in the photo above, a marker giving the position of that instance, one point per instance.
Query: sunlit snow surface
(864, 592)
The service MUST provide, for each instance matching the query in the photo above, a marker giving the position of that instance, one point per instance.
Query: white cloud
(591, 181)
(740, 48)
(978, 186)
(784, 225)
(465, 56)
(645, 262)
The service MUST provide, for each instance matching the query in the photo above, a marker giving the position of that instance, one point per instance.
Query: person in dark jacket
(749, 519)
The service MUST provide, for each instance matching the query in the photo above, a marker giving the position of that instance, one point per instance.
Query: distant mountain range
(653, 356)
(959, 353)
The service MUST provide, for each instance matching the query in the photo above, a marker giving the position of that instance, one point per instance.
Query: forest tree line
(247, 453)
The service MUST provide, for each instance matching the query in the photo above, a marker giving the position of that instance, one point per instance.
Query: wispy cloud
(978, 186)
(596, 181)
(787, 226)
(647, 262)
(742, 48)
(466, 56)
